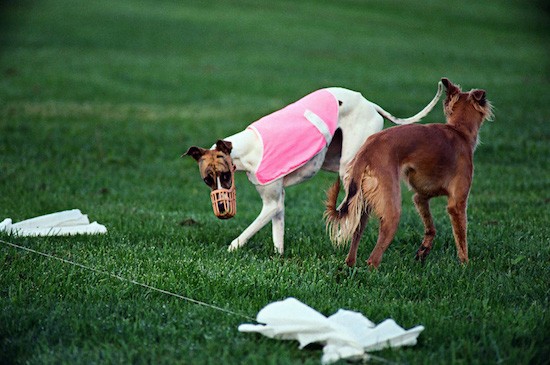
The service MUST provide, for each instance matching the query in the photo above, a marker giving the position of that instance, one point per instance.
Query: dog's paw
(350, 261)
(374, 262)
(280, 250)
(422, 253)
(234, 245)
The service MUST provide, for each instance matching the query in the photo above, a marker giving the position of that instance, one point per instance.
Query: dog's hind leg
(352, 254)
(456, 208)
(422, 204)
(387, 206)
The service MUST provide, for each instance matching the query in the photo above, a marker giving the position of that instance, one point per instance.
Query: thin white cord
(191, 300)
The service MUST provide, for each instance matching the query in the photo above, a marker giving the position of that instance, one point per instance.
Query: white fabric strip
(66, 223)
(90, 228)
(318, 123)
(66, 218)
(345, 335)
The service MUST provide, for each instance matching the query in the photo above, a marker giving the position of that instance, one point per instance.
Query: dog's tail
(416, 118)
(343, 221)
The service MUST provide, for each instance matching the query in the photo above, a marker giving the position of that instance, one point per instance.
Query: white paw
(234, 245)
(279, 249)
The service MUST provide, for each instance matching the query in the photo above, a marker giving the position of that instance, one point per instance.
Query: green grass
(99, 99)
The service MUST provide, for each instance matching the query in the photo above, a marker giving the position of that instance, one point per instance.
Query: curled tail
(342, 223)
(416, 118)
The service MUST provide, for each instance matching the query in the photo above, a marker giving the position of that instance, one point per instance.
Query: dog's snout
(221, 207)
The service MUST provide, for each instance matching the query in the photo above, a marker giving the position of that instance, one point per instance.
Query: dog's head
(216, 169)
(465, 106)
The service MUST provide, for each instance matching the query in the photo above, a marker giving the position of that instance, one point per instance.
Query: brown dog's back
(425, 155)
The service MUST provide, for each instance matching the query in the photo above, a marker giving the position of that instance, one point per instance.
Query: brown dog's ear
(195, 152)
(224, 146)
(446, 82)
(479, 96)
(451, 88)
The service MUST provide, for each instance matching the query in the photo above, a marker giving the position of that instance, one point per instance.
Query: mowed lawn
(99, 99)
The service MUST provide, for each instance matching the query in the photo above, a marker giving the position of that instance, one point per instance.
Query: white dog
(324, 130)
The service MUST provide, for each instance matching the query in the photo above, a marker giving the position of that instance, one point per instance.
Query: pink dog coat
(293, 135)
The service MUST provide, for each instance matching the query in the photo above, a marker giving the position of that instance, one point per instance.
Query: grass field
(99, 99)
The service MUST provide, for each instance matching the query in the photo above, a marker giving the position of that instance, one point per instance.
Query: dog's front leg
(272, 196)
(278, 225)
(422, 204)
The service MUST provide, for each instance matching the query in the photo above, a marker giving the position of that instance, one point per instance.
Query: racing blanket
(293, 135)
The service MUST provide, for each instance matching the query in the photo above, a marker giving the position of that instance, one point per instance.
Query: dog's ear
(450, 87)
(195, 152)
(446, 82)
(224, 146)
(479, 96)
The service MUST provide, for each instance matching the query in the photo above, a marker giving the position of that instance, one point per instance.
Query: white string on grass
(191, 300)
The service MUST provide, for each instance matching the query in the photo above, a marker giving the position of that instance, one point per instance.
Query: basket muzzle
(224, 201)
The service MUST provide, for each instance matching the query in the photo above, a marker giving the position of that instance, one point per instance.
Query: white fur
(358, 118)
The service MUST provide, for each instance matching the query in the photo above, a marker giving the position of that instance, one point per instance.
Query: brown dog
(434, 160)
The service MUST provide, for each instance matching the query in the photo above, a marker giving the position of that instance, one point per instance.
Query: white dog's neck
(247, 151)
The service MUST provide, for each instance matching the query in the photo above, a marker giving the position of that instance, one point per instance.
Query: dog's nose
(221, 207)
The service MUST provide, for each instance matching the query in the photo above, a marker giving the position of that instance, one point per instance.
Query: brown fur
(214, 164)
(434, 160)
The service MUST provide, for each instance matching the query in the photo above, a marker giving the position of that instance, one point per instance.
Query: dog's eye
(208, 180)
(226, 176)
